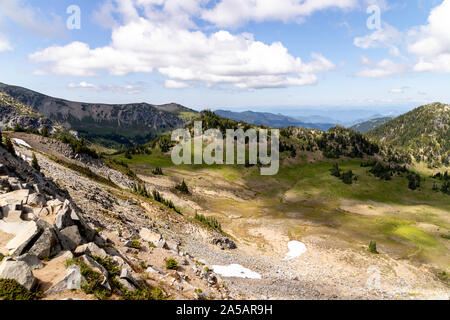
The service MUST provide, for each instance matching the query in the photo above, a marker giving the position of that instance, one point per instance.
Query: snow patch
(296, 249)
(236, 270)
(21, 142)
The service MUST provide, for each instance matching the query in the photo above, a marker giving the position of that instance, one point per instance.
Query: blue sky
(231, 54)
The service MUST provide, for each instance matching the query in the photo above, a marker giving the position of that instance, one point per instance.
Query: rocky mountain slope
(65, 235)
(425, 132)
(111, 125)
(14, 113)
(366, 126)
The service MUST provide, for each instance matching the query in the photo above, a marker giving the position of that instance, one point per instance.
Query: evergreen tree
(335, 171)
(182, 187)
(1, 139)
(9, 146)
(34, 163)
(44, 131)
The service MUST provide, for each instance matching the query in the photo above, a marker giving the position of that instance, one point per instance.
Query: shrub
(373, 247)
(136, 244)
(12, 290)
(171, 264)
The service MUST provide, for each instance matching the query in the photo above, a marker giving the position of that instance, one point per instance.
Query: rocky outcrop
(19, 271)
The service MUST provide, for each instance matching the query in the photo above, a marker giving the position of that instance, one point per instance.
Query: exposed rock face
(70, 238)
(17, 245)
(31, 260)
(19, 271)
(14, 113)
(46, 244)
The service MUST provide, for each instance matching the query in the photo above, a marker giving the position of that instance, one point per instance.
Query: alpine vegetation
(213, 152)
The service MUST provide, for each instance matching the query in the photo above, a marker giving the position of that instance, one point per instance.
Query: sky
(235, 54)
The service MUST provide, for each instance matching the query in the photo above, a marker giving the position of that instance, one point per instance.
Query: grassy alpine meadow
(405, 223)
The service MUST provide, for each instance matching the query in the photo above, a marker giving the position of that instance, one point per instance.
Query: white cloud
(183, 55)
(32, 18)
(172, 84)
(5, 45)
(387, 37)
(397, 91)
(83, 85)
(431, 43)
(234, 13)
(125, 89)
(381, 69)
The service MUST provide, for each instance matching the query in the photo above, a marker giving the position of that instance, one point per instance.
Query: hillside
(424, 131)
(270, 119)
(366, 126)
(14, 113)
(110, 125)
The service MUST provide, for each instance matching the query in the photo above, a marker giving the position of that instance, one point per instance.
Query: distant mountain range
(366, 126)
(270, 119)
(108, 124)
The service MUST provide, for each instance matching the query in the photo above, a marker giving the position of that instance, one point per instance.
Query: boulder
(23, 238)
(149, 236)
(162, 244)
(151, 269)
(63, 218)
(127, 285)
(36, 200)
(172, 245)
(71, 281)
(54, 205)
(19, 271)
(91, 249)
(95, 266)
(44, 245)
(224, 243)
(70, 238)
(31, 260)
(127, 274)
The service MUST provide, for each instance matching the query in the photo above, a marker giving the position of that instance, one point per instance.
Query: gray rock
(19, 271)
(71, 281)
(224, 243)
(63, 218)
(43, 247)
(91, 249)
(95, 266)
(149, 236)
(31, 260)
(152, 269)
(162, 244)
(23, 238)
(36, 200)
(70, 238)
(127, 285)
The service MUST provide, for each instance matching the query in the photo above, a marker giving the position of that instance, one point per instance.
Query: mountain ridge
(110, 124)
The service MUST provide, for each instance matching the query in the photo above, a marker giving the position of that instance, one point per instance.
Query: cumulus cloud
(431, 42)
(187, 57)
(234, 13)
(381, 69)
